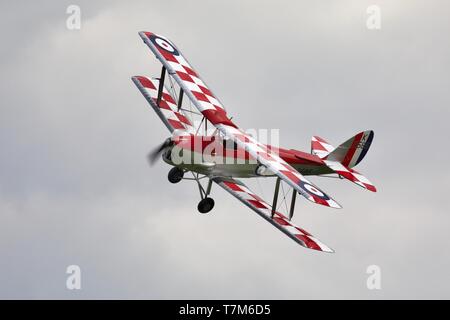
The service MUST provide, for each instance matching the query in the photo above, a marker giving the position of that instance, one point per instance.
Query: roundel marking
(314, 191)
(163, 44)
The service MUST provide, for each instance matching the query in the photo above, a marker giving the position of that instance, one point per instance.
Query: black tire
(175, 175)
(206, 205)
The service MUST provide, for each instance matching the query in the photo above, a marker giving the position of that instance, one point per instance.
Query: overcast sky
(75, 187)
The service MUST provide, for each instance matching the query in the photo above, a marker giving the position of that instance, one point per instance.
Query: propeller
(155, 154)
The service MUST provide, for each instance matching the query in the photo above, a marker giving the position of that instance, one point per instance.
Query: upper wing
(206, 102)
(181, 71)
(244, 194)
(167, 108)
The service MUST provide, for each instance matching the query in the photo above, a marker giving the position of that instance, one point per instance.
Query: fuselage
(210, 155)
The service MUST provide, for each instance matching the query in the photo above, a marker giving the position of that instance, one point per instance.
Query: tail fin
(320, 147)
(352, 151)
(346, 156)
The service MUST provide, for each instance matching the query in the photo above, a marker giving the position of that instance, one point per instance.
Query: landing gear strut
(175, 175)
(206, 203)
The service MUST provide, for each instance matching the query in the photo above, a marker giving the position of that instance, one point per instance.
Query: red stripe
(205, 90)
(318, 146)
(167, 55)
(176, 124)
(182, 118)
(257, 204)
(200, 96)
(370, 187)
(190, 71)
(146, 82)
(162, 104)
(351, 151)
(168, 98)
(318, 199)
(347, 175)
(304, 231)
(281, 221)
(290, 176)
(308, 242)
(232, 186)
(184, 76)
(320, 139)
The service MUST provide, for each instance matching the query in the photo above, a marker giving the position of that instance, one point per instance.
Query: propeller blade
(155, 154)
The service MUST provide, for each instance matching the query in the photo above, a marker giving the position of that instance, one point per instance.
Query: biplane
(227, 153)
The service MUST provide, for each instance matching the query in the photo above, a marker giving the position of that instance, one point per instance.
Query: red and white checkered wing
(278, 166)
(280, 221)
(351, 175)
(167, 108)
(183, 73)
(206, 102)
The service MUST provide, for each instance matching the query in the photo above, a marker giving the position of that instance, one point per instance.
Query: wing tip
(334, 204)
(329, 250)
(310, 242)
(327, 203)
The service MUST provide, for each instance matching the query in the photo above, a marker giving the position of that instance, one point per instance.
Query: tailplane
(320, 147)
(345, 156)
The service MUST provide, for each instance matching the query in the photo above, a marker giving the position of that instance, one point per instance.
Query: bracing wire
(284, 199)
(260, 189)
(172, 87)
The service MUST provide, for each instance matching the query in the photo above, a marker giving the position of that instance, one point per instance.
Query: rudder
(352, 151)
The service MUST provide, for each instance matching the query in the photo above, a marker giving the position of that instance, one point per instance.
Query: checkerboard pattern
(320, 147)
(279, 167)
(351, 175)
(244, 194)
(182, 72)
(167, 109)
(205, 102)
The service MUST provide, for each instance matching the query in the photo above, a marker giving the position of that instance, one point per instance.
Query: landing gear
(175, 175)
(205, 205)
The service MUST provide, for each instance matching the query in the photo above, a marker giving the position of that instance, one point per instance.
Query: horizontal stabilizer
(320, 147)
(350, 174)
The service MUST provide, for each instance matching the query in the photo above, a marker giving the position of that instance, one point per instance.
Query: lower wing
(280, 221)
(166, 107)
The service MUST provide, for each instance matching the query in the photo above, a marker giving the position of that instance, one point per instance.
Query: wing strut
(161, 85)
(291, 211)
(275, 196)
(180, 99)
(275, 200)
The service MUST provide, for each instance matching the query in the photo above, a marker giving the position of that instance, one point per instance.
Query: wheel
(175, 175)
(205, 205)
